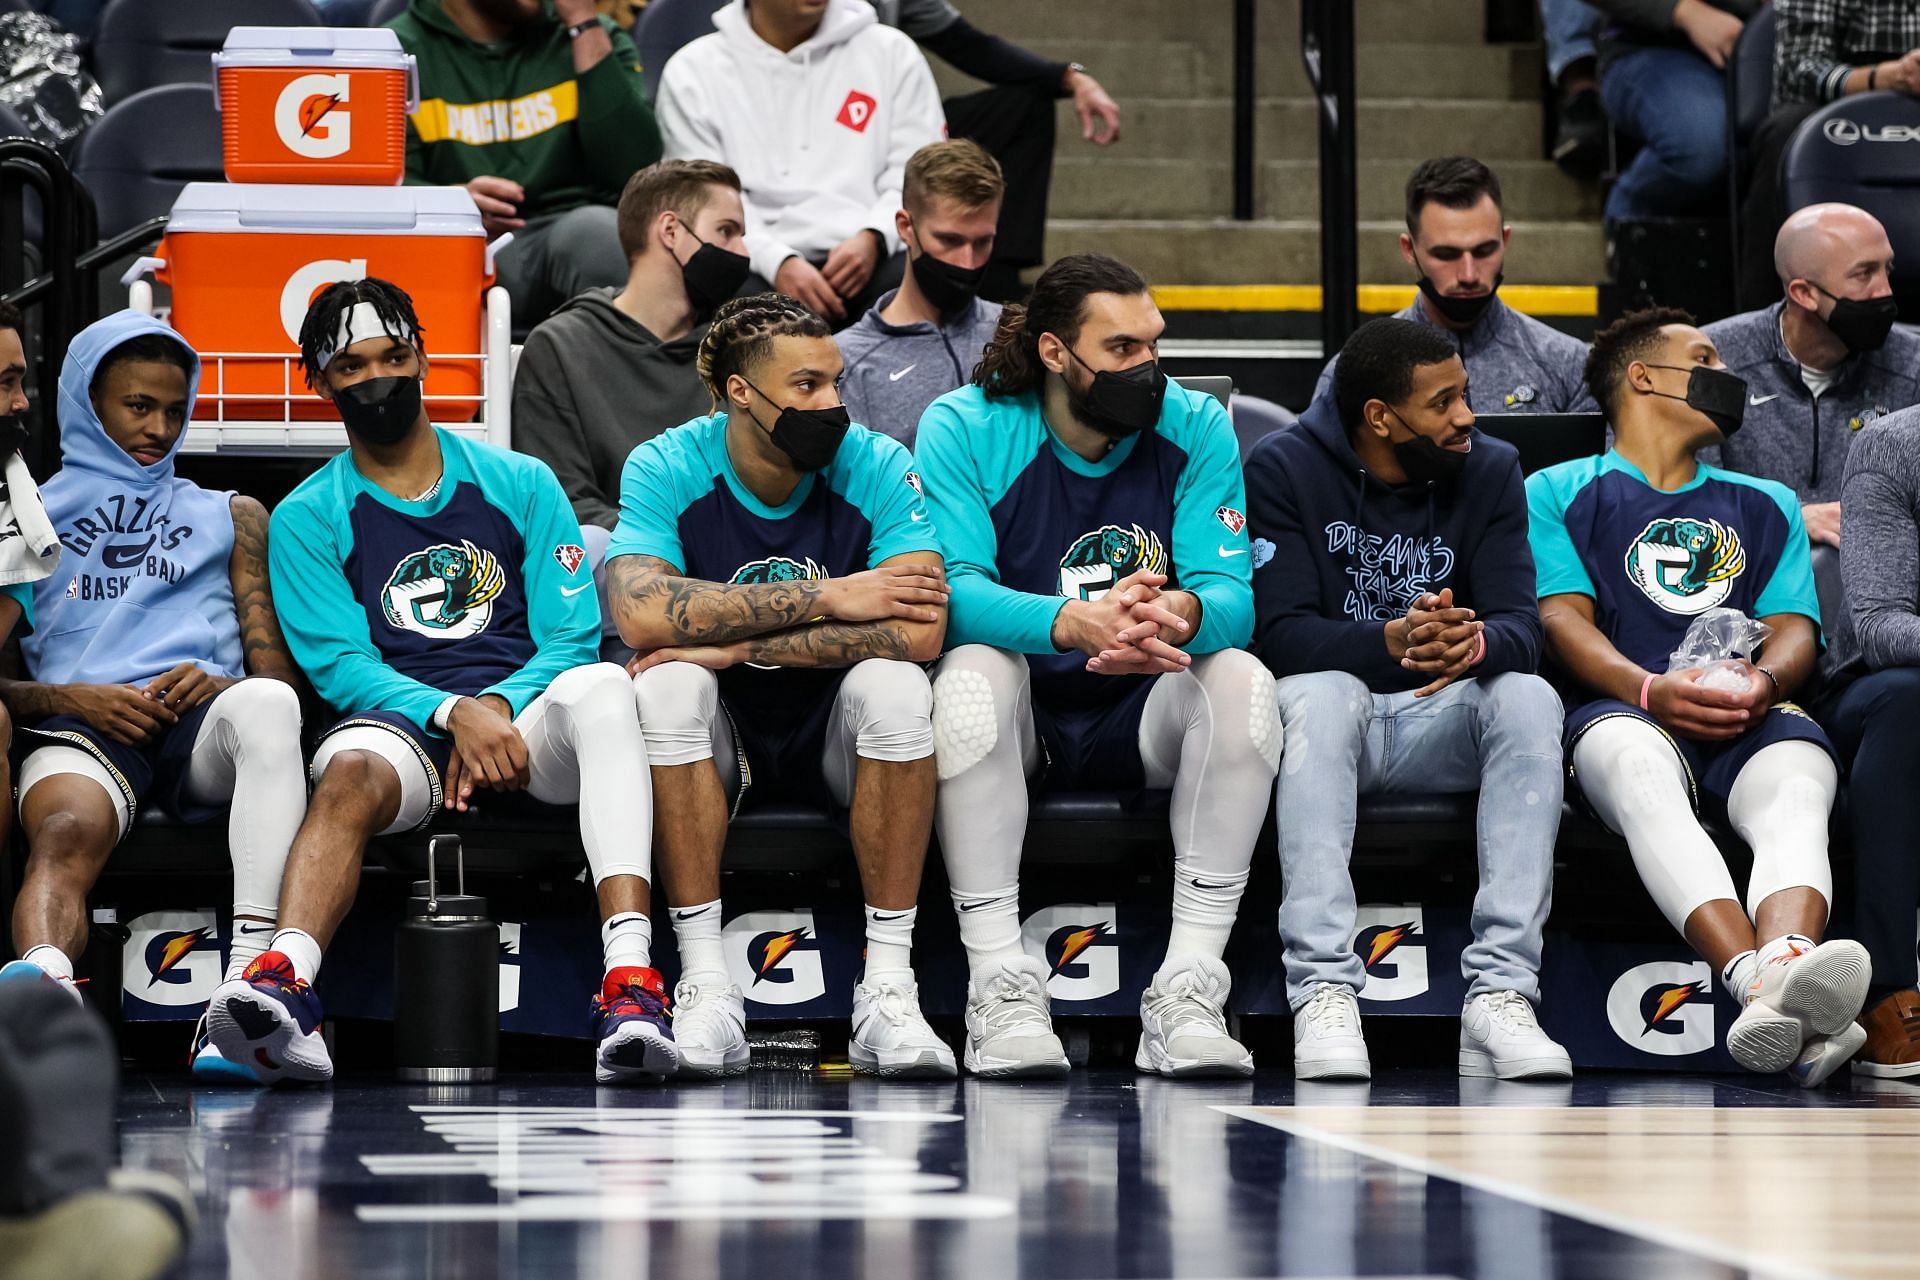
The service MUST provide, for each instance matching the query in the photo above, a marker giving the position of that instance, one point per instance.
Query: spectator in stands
(1632, 547)
(614, 367)
(1823, 50)
(434, 590)
(1821, 363)
(923, 340)
(1571, 30)
(537, 109)
(1873, 721)
(1662, 66)
(1092, 511)
(155, 673)
(817, 107)
(1405, 670)
(1456, 241)
(776, 571)
(1013, 120)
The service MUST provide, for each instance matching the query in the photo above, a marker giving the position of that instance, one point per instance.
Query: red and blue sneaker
(269, 1020)
(210, 1066)
(635, 1031)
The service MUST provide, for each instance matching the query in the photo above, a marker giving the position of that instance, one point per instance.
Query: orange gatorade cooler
(315, 104)
(244, 262)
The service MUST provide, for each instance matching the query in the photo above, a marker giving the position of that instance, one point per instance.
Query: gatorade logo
(1079, 944)
(172, 958)
(774, 957)
(311, 116)
(856, 112)
(1664, 1008)
(1391, 941)
(297, 296)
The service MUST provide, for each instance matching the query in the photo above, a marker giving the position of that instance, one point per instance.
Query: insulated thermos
(446, 981)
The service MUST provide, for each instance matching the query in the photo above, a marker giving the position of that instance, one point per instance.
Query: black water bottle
(446, 981)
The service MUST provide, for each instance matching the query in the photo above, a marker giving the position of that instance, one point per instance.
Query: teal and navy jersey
(1028, 525)
(1652, 561)
(392, 605)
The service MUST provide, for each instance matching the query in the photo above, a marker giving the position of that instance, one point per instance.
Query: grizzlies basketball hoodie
(145, 579)
(1337, 553)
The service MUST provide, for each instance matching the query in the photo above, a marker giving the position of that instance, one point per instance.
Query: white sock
(890, 943)
(1784, 946)
(1204, 905)
(696, 930)
(51, 959)
(990, 931)
(1737, 976)
(250, 938)
(298, 946)
(626, 940)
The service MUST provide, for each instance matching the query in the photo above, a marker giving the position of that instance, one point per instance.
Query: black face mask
(1862, 324)
(13, 435)
(810, 437)
(1426, 462)
(1720, 395)
(380, 411)
(712, 275)
(1120, 404)
(1460, 311)
(948, 288)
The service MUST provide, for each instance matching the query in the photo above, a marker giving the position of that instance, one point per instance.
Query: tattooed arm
(263, 647)
(916, 636)
(655, 608)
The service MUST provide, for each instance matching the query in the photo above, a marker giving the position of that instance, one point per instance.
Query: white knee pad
(677, 702)
(595, 687)
(1263, 705)
(965, 727)
(254, 715)
(889, 705)
(47, 762)
(420, 792)
(1780, 804)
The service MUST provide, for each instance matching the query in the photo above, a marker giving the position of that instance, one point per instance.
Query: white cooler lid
(318, 46)
(288, 209)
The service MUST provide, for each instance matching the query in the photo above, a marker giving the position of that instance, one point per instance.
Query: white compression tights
(1779, 804)
(1211, 733)
(583, 746)
(246, 755)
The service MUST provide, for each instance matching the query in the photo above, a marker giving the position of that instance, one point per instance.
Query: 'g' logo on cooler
(1664, 1008)
(311, 116)
(297, 294)
(1080, 945)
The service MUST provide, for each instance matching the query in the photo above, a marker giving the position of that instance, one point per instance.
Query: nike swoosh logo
(574, 591)
(125, 555)
(895, 377)
(1228, 555)
(975, 906)
(265, 928)
(1755, 400)
(691, 915)
(1201, 884)
(889, 919)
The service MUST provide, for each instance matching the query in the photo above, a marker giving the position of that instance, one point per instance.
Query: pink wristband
(1479, 649)
(1644, 686)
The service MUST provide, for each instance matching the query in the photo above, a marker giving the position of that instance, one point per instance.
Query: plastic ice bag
(1717, 642)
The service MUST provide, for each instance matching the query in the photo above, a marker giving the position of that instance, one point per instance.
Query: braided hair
(742, 335)
(322, 325)
(1011, 365)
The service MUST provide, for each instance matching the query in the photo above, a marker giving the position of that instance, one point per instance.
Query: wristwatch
(1072, 67)
(579, 29)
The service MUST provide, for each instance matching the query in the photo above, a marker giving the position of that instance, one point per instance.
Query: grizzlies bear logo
(445, 592)
(1099, 559)
(1686, 565)
(778, 569)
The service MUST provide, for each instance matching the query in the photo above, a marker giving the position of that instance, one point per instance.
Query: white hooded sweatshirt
(819, 135)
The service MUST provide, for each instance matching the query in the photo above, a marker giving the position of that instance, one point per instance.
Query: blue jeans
(1570, 28)
(1675, 103)
(1499, 735)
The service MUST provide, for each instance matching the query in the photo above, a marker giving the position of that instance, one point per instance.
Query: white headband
(362, 320)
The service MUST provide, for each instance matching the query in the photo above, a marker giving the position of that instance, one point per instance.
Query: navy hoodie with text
(1337, 553)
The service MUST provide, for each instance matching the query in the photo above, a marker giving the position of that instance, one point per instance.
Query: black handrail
(1326, 47)
(67, 222)
(1245, 172)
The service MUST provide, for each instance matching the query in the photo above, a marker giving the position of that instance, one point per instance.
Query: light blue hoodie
(144, 583)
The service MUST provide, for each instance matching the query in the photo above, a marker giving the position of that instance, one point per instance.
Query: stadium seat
(1749, 94)
(142, 43)
(1842, 152)
(1254, 419)
(664, 26)
(139, 155)
(381, 12)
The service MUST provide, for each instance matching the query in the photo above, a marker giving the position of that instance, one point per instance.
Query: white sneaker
(891, 1037)
(1327, 1043)
(1009, 1026)
(1183, 1024)
(1824, 1055)
(709, 1027)
(1798, 995)
(1500, 1037)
